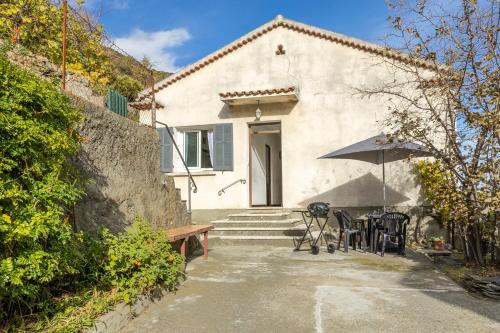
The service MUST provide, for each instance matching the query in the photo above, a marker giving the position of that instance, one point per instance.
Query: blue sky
(175, 33)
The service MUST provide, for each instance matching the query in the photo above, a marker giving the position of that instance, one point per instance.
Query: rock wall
(120, 160)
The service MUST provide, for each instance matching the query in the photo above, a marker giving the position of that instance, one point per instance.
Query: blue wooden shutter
(223, 147)
(166, 150)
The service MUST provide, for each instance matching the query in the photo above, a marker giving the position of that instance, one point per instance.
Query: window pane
(191, 149)
(205, 150)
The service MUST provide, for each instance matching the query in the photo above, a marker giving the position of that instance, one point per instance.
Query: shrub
(37, 185)
(140, 259)
(127, 86)
(118, 268)
(50, 275)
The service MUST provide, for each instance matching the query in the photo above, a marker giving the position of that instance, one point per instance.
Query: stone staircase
(176, 206)
(257, 227)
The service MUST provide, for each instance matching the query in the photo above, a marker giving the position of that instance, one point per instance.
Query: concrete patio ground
(269, 289)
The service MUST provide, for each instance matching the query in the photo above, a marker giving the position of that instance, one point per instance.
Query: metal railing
(223, 190)
(191, 183)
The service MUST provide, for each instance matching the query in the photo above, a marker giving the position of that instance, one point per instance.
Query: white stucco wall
(328, 116)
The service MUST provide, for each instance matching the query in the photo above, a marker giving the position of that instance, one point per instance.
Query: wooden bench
(184, 232)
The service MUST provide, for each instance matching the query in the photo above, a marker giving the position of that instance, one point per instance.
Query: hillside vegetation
(129, 66)
(36, 25)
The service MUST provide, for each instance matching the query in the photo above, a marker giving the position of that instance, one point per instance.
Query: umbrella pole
(383, 174)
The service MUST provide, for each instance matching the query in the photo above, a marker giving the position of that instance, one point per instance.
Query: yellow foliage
(36, 25)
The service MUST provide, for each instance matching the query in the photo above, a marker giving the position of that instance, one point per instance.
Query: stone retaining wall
(120, 160)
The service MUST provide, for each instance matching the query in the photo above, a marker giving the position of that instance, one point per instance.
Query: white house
(252, 118)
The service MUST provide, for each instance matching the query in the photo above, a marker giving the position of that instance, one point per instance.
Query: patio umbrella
(378, 150)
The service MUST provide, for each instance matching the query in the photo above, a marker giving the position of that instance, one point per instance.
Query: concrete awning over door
(262, 96)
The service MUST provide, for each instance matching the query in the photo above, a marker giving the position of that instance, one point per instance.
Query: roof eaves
(258, 92)
(142, 106)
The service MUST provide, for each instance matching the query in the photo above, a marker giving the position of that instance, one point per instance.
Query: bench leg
(183, 247)
(205, 245)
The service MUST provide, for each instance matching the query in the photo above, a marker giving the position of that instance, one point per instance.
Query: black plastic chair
(392, 225)
(348, 228)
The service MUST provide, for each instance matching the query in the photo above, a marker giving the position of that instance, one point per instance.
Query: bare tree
(444, 94)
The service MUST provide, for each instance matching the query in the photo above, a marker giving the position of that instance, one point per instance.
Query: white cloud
(155, 45)
(119, 4)
(104, 4)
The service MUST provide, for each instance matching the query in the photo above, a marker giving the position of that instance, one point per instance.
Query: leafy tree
(146, 62)
(37, 186)
(445, 97)
(127, 86)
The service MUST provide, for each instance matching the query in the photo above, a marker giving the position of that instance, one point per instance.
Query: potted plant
(437, 243)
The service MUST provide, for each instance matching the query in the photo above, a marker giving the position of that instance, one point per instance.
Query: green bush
(51, 278)
(118, 268)
(140, 259)
(127, 86)
(37, 186)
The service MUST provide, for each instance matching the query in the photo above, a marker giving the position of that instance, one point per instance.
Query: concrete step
(259, 223)
(265, 210)
(259, 231)
(284, 241)
(260, 216)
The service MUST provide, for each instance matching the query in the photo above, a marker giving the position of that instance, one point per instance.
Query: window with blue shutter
(166, 150)
(223, 147)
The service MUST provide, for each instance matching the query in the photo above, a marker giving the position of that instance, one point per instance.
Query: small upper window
(198, 148)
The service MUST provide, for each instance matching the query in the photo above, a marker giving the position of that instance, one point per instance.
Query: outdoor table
(309, 221)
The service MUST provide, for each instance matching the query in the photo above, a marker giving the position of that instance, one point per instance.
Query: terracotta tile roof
(257, 92)
(144, 105)
(294, 26)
